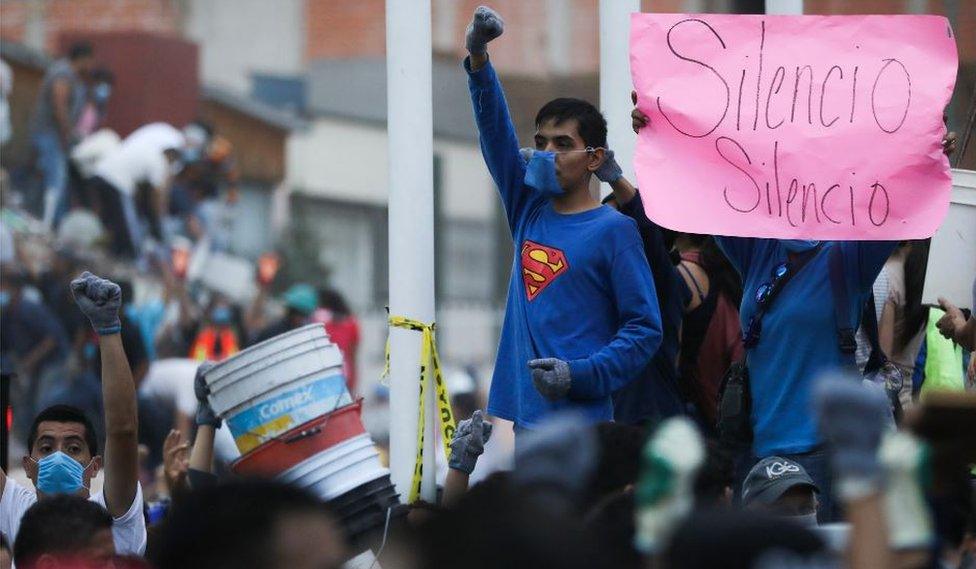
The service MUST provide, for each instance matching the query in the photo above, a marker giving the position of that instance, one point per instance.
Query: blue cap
(301, 297)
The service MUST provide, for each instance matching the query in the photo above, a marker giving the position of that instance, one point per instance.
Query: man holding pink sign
(782, 133)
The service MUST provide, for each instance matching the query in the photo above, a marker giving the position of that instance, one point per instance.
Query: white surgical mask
(805, 520)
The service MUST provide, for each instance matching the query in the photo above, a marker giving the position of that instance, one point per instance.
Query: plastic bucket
(338, 469)
(363, 509)
(308, 439)
(277, 385)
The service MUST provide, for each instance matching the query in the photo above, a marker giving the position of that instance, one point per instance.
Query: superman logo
(540, 266)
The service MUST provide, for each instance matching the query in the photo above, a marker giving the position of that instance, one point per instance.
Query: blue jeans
(53, 164)
(814, 462)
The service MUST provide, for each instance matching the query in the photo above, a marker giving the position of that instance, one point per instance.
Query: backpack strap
(846, 340)
(869, 323)
(750, 335)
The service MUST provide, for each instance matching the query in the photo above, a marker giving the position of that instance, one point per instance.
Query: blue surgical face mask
(220, 315)
(102, 92)
(4, 298)
(798, 245)
(58, 473)
(540, 174)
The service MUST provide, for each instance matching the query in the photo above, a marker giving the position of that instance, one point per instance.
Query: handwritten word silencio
(800, 202)
(803, 86)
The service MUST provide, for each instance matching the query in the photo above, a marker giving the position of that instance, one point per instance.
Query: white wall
(238, 37)
(951, 267)
(345, 160)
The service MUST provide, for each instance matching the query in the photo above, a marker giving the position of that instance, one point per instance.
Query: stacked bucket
(286, 403)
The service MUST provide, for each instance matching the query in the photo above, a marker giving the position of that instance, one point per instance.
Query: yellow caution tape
(430, 364)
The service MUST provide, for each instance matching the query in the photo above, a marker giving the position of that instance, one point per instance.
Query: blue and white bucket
(339, 469)
(276, 385)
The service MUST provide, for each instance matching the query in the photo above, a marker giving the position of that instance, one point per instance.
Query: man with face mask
(582, 317)
(781, 487)
(797, 338)
(63, 449)
(59, 104)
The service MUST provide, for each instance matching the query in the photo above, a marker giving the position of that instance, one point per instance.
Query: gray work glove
(469, 442)
(551, 377)
(485, 26)
(852, 419)
(609, 171)
(205, 413)
(100, 300)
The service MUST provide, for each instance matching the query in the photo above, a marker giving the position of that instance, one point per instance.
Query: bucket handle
(304, 434)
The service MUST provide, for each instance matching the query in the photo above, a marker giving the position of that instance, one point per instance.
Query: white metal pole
(615, 81)
(411, 227)
(784, 7)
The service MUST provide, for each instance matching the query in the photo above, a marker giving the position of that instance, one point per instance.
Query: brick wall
(358, 29)
(345, 29)
(65, 16)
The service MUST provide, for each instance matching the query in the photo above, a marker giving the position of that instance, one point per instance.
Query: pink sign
(813, 127)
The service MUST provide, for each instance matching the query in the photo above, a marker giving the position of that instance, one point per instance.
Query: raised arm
(499, 143)
(201, 456)
(466, 446)
(100, 300)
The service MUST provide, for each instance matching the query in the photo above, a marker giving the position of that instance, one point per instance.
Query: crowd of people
(134, 194)
(677, 400)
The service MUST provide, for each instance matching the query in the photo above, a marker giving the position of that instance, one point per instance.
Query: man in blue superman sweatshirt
(582, 316)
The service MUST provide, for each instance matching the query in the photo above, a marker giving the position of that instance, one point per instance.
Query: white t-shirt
(129, 530)
(140, 158)
(171, 380)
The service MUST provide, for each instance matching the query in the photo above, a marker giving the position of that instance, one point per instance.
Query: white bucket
(339, 469)
(278, 384)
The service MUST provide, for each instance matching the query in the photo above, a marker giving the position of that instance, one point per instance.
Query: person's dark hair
(495, 525)
(592, 125)
(229, 526)
(612, 523)
(916, 314)
(721, 273)
(103, 75)
(465, 404)
(80, 50)
(61, 524)
(64, 414)
(714, 477)
(333, 301)
(619, 459)
(737, 540)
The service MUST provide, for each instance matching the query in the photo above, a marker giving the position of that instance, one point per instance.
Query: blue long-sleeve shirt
(655, 394)
(580, 290)
(799, 333)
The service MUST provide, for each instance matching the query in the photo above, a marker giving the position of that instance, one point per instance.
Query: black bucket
(362, 511)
